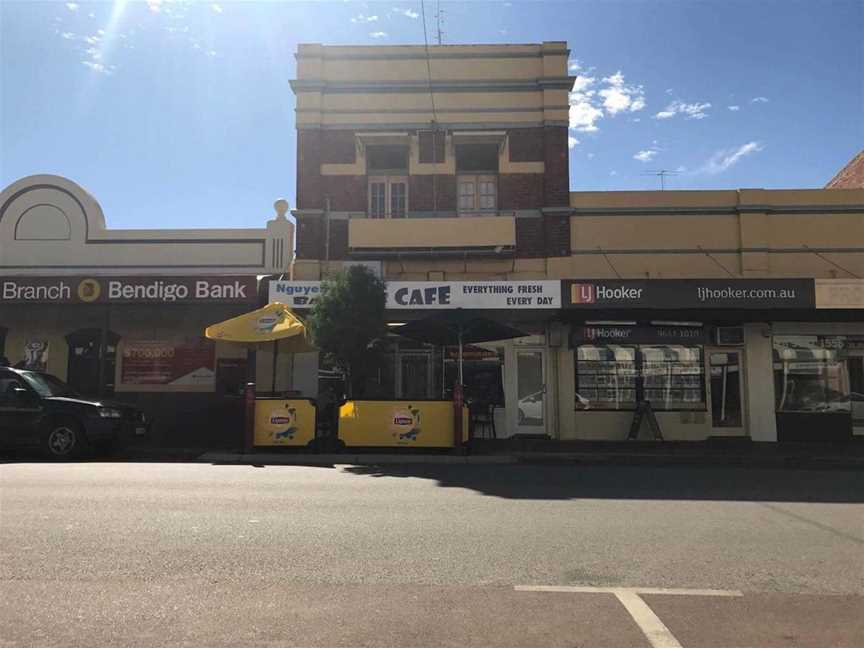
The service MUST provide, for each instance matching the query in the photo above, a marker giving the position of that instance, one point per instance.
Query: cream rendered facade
(53, 231)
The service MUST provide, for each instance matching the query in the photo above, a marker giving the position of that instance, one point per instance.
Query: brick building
(737, 313)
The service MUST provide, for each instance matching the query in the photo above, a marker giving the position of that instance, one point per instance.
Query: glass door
(530, 391)
(726, 390)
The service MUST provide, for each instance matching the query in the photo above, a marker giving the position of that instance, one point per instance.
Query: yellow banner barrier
(418, 424)
(289, 422)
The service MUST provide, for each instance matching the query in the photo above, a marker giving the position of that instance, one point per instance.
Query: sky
(177, 114)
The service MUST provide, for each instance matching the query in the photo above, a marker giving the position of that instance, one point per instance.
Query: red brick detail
(557, 234)
(346, 193)
(530, 238)
(526, 144)
(520, 190)
(309, 186)
(338, 239)
(338, 147)
(310, 237)
(556, 183)
(850, 176)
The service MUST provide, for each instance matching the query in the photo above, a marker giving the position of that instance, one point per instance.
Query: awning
(272, 322)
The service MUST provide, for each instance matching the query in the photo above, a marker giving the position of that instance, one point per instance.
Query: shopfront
(138, 340)
(510, 384)
(701, 352)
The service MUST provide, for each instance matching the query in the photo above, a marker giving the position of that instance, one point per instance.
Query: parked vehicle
(40, 410)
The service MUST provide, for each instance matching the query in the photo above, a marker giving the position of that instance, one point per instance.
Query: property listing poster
(188, 362)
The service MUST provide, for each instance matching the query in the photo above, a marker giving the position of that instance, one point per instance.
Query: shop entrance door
(530, 411)
(726, 391)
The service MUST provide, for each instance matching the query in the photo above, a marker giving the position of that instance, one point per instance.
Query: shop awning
(270, 323)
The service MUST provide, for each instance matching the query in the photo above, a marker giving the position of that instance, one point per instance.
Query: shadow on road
(637, 482)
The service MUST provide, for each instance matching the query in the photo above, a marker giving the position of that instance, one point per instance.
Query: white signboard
(502, 295)
(424, 295)
(295, 294)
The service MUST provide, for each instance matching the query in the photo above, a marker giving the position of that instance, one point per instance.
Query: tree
(347, 319)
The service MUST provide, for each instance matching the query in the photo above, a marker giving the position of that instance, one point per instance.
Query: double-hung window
(478, 193)
(388, 196)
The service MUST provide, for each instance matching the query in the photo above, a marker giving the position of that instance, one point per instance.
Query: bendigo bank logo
(582, 293)
(89, 290)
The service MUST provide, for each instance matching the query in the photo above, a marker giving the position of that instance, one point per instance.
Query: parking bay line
(658, 635)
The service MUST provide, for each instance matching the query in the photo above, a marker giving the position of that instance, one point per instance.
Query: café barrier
(284, 422)
(399, 423)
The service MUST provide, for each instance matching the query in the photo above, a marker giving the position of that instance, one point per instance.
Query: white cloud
(734, 108)
(690, 111)
(93, 53)
(154, 5)
(378, 34)
(408, 13)
(645, 155)
(93, 40)
(759, 100)
(68, 35)
(216, 8)
(613, 173)
(572, 142)
(72, 6)
(101, 68)
(725, 159)
(360, 18)
(618, 97)
(590, 156)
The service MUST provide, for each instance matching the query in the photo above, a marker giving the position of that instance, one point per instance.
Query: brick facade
(346, 192)
(556, 181)
(526, 144)
(422, 190)
(520, 190)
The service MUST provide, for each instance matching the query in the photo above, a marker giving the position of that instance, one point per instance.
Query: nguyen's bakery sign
(424, 295)
(84, 290)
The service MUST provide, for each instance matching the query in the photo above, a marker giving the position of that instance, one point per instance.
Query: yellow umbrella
(272, 323)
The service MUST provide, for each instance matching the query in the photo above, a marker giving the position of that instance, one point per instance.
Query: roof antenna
(439, 18)
(662, 173)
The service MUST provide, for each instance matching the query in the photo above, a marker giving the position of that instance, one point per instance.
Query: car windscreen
(47, 385)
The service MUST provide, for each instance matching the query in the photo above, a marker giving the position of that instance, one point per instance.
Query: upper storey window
(432, 146)
(477, 168)
(386, 158)
(387, 166)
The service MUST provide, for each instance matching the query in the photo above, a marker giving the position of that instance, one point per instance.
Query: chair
(483, 419)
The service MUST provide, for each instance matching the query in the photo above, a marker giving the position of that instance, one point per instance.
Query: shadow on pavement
(560, 482)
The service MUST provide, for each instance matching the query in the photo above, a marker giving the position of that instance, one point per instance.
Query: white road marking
(658, 635)
(584, 589)
(649, 623)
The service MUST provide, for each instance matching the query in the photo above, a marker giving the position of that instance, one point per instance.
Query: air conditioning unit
(729, 335)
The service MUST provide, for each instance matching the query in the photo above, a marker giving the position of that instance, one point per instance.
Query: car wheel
(63, 439)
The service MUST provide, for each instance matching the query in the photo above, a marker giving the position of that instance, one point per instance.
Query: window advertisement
(816, 373)
(690, 293)
(180, 363)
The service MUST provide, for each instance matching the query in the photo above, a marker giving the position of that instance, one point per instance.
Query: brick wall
(309, 185)
(521, 190)
(338, 147)
(346, 193)
(526, 144)
(422, 187)
(557, 176)
(530, 238)
(557, 234)
(310, 237)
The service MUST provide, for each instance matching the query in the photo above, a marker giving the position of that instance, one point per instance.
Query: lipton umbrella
(458, 327)
(272, 323)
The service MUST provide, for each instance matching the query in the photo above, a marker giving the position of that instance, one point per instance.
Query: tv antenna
(439, 18)
(662, 174)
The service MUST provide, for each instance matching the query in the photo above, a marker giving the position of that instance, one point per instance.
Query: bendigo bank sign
(166, 290)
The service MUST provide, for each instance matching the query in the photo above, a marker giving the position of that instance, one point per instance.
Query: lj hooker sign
(119, 290)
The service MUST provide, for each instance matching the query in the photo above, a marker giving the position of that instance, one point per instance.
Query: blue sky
(179, 114)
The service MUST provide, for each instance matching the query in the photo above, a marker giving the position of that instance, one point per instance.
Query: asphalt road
(193, 554)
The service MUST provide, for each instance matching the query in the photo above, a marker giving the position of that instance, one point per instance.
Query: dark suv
(38, 409)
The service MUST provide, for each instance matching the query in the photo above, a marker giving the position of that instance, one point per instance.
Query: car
(38, 409)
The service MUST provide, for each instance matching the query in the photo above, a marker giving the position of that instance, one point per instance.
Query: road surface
(150, 554)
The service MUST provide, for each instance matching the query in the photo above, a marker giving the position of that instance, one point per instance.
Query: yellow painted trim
(432, 232)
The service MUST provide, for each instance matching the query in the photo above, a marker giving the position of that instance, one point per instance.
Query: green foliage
(346, 320)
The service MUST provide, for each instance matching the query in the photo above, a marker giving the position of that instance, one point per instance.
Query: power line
(711, 256)
(428, 63)
(836, 265)
(609, 261)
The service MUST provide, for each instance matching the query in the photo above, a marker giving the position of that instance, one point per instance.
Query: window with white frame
(388, 196)
(478, 193)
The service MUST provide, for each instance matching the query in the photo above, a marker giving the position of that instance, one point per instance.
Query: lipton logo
(582, 294)
(405, 423)
(266, 323)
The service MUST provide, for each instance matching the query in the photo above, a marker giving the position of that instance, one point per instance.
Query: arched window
(85, 353)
